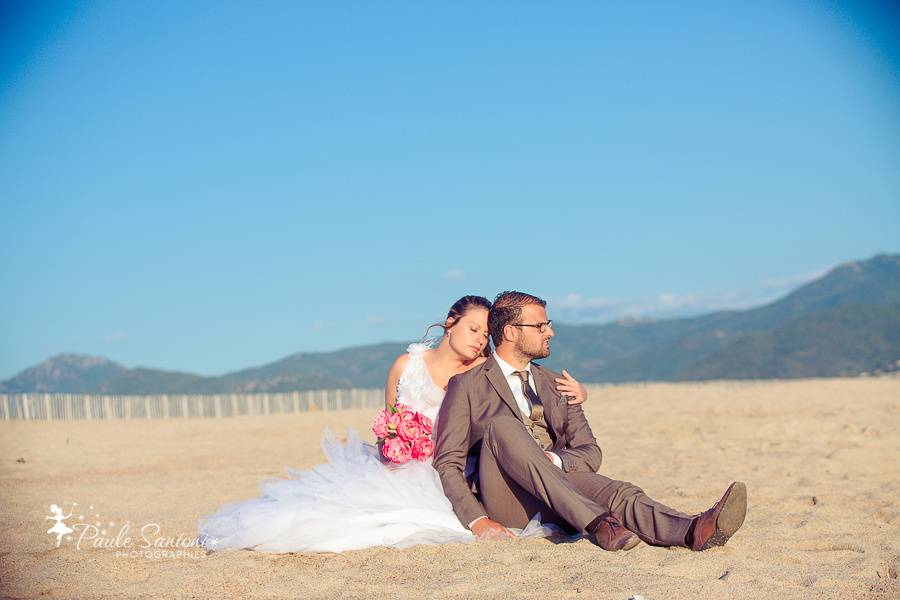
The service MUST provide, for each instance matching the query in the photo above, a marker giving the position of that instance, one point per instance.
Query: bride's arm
(393, 378)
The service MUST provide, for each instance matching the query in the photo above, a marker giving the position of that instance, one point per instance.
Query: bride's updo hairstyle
(459, 308)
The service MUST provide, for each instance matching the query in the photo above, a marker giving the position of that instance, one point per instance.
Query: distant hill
(712, 346)
(363, 366)
(817, 345)
(72, 373)
(845, 323)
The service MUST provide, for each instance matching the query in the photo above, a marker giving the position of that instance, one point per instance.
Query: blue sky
(207, 186)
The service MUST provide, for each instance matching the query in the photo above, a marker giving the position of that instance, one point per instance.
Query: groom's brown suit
(480, 424)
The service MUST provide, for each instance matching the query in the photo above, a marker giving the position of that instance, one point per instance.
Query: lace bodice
(415, 388)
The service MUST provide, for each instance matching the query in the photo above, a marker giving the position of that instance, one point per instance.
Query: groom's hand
(485, 529)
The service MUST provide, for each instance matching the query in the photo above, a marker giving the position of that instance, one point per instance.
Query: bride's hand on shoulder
(568, 386)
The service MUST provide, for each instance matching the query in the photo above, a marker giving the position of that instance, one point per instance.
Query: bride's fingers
(566, 378)
(570, 387)
(577, 393)
(569, 376)
(580, 396)
(566, 386)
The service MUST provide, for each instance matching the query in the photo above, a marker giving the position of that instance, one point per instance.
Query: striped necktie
(537, 408)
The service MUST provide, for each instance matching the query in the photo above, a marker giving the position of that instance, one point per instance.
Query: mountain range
(845, 323)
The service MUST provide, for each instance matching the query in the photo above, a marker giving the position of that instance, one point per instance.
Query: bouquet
(403, 434)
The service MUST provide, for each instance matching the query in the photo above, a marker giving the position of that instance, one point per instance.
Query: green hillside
(845, 323)
(826, 343)
(680, 349)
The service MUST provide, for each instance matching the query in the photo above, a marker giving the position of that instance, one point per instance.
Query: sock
(689, 536)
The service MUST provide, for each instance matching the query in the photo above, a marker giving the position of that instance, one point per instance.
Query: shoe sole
(631, 544)
(731, 517)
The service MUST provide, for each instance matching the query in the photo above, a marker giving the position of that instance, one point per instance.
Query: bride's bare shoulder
(399, 364)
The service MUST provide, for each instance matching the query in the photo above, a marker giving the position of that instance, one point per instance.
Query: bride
(355, 500)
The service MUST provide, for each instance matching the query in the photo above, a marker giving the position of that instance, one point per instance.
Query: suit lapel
(549, 397)
(498, 381)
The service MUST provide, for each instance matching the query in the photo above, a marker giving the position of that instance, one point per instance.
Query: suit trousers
(516, 480)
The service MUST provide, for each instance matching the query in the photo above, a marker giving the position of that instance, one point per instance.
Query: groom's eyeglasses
(542, 327)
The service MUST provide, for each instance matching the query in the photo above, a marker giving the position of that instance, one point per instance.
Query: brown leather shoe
(610, 534)
(715, 526)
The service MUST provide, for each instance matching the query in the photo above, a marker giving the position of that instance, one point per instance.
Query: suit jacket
(479, 395)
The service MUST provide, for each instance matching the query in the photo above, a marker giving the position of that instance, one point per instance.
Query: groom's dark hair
(507, 309)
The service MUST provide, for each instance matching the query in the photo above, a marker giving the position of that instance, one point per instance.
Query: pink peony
(379, 427)
(409, 430)
(396, 450)
(394, 421)
(422, 448)
(425, 422)
(408, 415)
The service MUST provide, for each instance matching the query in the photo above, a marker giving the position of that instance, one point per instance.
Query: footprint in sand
(886, 571)
(832, 547)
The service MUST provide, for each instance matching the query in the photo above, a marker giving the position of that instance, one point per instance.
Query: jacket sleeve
(581, 452)
(451, 448)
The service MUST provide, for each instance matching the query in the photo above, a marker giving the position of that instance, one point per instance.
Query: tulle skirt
(352, 501)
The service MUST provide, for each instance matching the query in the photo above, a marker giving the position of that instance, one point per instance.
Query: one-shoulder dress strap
(415, 388)
(417, 349)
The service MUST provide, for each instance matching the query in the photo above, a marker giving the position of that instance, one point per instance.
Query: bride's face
(469, 335)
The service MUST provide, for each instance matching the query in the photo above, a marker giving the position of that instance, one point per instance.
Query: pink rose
(422, 449)
(396, 450)
(409, 430)
(379, 427)
(425, 422)
(399, 408)
(408, 415)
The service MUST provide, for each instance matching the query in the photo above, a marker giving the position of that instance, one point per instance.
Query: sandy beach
(819, 458)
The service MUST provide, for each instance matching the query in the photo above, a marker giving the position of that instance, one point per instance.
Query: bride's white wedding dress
(352, 501)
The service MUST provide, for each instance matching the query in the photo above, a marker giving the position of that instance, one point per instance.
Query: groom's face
(531, 342)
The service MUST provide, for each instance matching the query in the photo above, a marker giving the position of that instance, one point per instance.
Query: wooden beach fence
(68, 407)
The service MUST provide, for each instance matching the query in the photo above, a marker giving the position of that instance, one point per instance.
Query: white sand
(819, 458)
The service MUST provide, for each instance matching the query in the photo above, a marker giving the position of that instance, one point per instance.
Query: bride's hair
(459, 308)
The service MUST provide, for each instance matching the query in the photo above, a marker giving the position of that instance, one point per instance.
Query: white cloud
(116, 336)
(576, 308)
(785, 284)
(578, 301)
(455, 275)
(670, 301)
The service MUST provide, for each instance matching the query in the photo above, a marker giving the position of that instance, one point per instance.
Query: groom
(509, 446)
